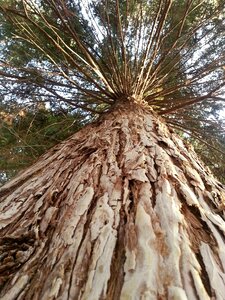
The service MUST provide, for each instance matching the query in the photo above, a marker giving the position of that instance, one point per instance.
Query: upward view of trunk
(121, 210)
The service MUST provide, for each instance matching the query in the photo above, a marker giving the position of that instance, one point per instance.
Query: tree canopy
(89, 55)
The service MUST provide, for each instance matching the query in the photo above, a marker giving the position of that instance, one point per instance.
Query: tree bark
(121, 210)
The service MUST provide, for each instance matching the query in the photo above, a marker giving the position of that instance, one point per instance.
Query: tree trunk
(121, 210)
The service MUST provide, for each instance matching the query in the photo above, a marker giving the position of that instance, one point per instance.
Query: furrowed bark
(121, 210)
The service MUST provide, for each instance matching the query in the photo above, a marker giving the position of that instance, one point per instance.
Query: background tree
(122, 209)
(27, 132)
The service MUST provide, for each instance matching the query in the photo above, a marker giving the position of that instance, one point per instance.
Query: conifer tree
(123, 209)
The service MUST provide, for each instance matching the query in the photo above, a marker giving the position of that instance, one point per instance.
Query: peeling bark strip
(121, 210)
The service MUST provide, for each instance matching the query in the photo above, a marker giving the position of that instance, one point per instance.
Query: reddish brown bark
(121, 210)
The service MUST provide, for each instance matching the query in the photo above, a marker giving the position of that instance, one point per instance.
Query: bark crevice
(121, 210)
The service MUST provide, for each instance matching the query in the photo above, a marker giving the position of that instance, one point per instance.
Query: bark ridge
(121, 210)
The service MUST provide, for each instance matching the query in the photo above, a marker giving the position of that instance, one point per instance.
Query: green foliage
(215, 160)
(25, 135)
